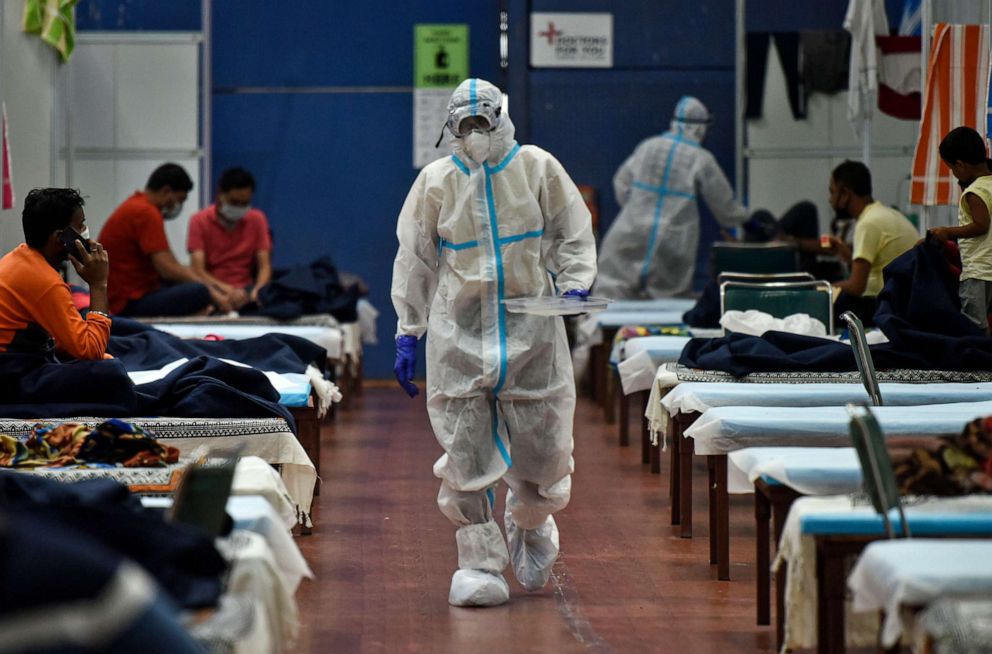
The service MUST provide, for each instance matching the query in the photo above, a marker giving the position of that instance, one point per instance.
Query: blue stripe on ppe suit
(471, 234)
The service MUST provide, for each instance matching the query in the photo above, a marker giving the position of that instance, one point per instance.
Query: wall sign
(440, 63)
(571, 40)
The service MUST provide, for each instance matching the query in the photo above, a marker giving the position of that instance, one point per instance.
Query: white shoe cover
(532, 551)
(481, 547)
(477, 588)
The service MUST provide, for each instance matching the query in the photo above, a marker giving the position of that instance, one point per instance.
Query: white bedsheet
(807, 470)
(698, 397)
(614, 318)
(283, 449)
(898, 573)
(255, 513)
(682, 304)
(329, 338)
(725, 429)
(638, 359)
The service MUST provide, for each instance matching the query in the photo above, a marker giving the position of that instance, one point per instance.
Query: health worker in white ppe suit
(650, 250)
(495, 220)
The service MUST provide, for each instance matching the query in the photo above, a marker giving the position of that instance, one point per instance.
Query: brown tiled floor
(383, 554)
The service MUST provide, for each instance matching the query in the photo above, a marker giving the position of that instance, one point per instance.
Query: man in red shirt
(229, 240)
(145, 277)
(37, 315)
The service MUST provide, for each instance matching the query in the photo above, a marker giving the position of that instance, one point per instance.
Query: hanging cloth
(54, 21)
(789, 56)
(865, 19)
(7, 198)
(824, 55)
(912, 18)
(957, 91)
(899, 76)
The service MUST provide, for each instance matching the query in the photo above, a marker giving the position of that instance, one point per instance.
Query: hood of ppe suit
(474, 94)
(691, 118)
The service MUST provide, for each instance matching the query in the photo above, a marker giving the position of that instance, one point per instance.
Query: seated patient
(229, 240)
(881, 234)
(37, 314)
(145, 277)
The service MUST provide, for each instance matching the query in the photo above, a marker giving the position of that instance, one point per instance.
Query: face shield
(475, 106)
(691, 119)
(462, 121)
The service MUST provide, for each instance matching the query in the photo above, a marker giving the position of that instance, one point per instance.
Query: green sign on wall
(440, 55)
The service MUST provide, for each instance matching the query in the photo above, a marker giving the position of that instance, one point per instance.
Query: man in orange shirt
(229, 240)
(145, 277)
(36, 310)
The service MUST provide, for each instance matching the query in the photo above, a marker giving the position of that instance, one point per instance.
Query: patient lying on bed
(37, 314)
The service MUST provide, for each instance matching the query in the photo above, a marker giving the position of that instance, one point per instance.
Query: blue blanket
(101, 519)
(307, 289)
(918, 311)
(205, 387)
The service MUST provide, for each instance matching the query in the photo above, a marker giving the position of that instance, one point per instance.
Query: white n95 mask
(477, 145)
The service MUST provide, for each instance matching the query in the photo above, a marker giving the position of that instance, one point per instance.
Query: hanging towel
(957, 91)
(54, 21)
(865, 19)
(899, 76)
(8, 199)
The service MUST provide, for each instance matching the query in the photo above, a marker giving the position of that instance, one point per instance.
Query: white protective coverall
(500, 393)
(650, 250)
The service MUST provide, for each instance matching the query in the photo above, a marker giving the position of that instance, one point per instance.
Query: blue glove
(406, 363)
(580, 293)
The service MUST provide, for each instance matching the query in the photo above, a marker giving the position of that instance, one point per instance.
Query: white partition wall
(131, 101)
(790, 160)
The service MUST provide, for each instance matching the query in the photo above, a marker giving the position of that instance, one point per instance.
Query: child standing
(963, 150)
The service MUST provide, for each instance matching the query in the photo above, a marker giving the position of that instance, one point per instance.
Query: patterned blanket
(110, 442)
(902, 376)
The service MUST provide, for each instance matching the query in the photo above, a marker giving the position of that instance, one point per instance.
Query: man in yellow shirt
(880, 235)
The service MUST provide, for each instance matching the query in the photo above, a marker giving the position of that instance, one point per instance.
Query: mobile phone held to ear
(69, 237)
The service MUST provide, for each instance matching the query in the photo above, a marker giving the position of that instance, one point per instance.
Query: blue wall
(593, 119)
(334, 166)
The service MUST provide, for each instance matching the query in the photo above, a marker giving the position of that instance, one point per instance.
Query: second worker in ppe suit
(650, 250)
(495, 220)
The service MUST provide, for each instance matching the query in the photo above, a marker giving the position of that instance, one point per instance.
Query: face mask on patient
(232, 212)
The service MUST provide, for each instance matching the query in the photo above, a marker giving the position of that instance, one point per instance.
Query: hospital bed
(636, 360)
(297, 391)
(909, 574)
(607, 324)
(343, 341)
(723, 430)
(780, 295)
(270, 439)
(821, 533)
(266, 570)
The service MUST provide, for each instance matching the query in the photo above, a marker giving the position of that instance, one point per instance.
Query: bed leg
(762, 525)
